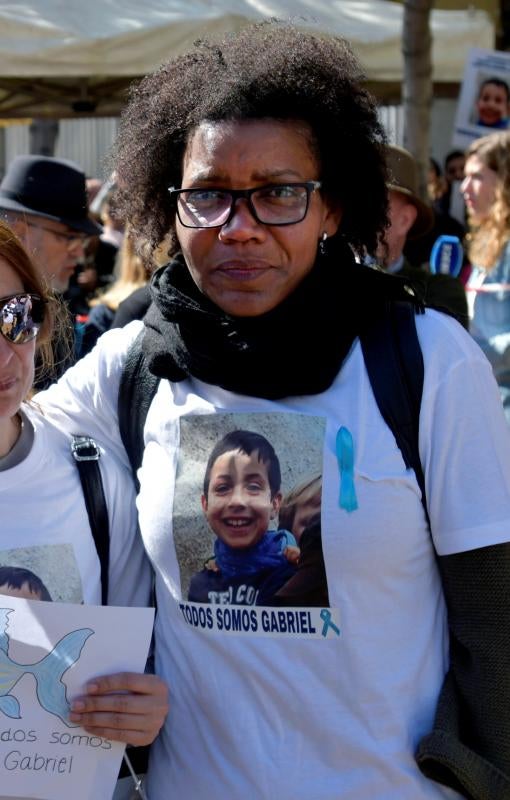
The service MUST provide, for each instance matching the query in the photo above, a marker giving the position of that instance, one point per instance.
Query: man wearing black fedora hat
(411, 219)
(44, 201)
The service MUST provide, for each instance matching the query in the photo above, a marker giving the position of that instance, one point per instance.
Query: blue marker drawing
(48, 672)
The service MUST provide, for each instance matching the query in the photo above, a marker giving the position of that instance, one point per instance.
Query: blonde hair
(13, 252)
(299, 494)
(488, 239)
(132, 274)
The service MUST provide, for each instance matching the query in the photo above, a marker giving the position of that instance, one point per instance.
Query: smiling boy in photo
(241, 496)
(493, 103)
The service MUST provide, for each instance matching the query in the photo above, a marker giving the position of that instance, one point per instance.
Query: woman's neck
(10, 430)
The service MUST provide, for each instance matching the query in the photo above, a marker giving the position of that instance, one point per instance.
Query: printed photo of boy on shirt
(247, 510)
(241, 498)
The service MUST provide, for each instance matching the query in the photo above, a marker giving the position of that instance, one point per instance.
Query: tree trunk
(417, 88)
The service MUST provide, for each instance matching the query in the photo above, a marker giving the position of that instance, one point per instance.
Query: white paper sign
(48, 651)
(486, 72)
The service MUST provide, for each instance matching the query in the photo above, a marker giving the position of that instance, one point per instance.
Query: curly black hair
(268, 70)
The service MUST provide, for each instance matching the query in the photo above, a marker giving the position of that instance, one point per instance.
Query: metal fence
(86, 141)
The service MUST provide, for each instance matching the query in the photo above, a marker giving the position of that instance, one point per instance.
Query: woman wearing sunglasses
(45, 524)
(260, 158)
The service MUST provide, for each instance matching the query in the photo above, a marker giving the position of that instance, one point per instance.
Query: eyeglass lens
(16, 318)
(281, 204)
(70, 239)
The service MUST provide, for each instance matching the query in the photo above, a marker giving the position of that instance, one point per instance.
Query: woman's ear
(332, 219)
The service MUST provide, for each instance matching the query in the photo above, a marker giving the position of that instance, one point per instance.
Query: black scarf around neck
(295, 349)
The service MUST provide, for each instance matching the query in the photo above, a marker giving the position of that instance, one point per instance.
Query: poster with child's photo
(484, 102)
(247, 510)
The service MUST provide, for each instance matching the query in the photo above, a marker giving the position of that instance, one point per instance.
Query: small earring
(322, 244)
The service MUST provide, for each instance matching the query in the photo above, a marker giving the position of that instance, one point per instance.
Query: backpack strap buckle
(84, 448)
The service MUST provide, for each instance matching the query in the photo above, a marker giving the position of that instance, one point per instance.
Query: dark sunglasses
(21, 316)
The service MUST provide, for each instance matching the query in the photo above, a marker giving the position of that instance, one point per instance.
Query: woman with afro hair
(258, 160)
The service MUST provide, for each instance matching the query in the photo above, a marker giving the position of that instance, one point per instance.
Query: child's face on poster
(239, 506)
(492, 104)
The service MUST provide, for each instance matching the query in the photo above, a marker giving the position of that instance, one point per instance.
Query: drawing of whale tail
(48, 672)
(10, 706)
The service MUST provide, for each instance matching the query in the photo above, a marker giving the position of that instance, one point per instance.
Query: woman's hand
(126, 707)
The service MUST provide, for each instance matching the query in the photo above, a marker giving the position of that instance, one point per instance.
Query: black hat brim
(84, 224)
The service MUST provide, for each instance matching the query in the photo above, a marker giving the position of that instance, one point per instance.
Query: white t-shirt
(329, 702)
(45, 526)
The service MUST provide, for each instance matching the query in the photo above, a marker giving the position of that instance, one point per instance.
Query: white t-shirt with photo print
(297, 717)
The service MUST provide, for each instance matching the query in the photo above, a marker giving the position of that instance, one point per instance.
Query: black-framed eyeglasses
(21, 316)
(70, 238)
(273, 204)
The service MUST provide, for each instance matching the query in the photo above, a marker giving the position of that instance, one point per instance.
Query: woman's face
(245, 267)
(16, 360)
(478, 188)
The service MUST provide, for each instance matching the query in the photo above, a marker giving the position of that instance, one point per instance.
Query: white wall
(441, 126)
(86, 141)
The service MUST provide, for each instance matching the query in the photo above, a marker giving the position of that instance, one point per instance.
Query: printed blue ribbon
(326, 618)
(345, 458)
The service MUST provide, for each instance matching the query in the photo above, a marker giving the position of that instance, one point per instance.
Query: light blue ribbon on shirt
(345, 458)
(325, 616)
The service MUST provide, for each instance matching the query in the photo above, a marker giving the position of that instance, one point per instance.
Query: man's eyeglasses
(274, 204)
(21, 316)
(70, 239)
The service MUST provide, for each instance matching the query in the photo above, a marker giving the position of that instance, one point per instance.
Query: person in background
(110, 240)
(436, 184)
(446, 198)
(486, 189)
(452, 202)
(419, 242)
(131, 275)
(44, 201)
(410, 221)
(136, 305)
(41, 496)
(454, 166)
(260, 155)
(93, 187)
(96, 271)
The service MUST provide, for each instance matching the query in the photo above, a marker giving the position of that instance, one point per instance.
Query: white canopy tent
(60, 57)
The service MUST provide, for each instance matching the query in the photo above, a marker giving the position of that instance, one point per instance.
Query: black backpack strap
(136, 392)
(394, 363)
(86, 454)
